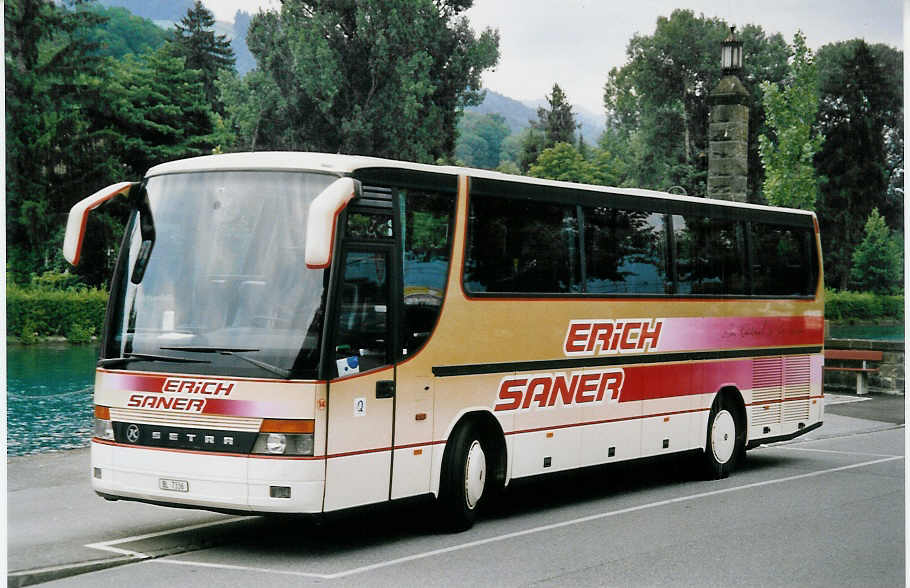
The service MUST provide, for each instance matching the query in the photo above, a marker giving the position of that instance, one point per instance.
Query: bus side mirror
(75, 224)
(322, 219)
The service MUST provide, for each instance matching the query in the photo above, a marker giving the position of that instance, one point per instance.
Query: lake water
(874, 332)
(49, 397)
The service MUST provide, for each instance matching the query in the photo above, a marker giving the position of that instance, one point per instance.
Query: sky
(575, 43)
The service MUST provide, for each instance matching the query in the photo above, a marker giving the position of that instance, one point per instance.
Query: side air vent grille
(776, 380)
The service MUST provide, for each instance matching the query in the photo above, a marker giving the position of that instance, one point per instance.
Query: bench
(862, 370)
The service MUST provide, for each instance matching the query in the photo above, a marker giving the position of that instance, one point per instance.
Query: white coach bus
(300, 332)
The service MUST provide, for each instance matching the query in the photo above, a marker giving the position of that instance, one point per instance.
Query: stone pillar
(728, 141)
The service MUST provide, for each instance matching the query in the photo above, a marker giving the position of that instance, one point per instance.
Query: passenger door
(361, 395)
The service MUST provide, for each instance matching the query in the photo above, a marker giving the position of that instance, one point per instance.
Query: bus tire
(464, 478)
(725, 440)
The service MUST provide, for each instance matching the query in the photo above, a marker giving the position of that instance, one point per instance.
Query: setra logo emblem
(132, 433)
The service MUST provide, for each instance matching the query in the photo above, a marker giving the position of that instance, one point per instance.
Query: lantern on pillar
(731, 58)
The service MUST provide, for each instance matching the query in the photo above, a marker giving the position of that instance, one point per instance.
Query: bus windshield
(226, 290)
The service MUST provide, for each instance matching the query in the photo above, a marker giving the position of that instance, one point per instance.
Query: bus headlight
(283, 444)
(104, 429)
(285, 437)
(276, 442)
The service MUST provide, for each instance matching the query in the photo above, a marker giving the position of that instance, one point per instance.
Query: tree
(480, 139)
(55, 137)
(563, 162)
(558, 121)
(531, 143)
(159, 107)
(788, 159)
(555, 124)
(77, 121)
(380, 77)
(657, 103)
(566, 162)
(861, 162)
(202, 49)
(878, 261)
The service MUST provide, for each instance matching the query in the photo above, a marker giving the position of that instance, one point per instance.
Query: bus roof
(347, 164)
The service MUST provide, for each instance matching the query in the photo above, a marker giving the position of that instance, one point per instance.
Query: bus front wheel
(725, 440)
(464, 479)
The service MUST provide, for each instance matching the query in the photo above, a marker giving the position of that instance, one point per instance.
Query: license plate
(174, 485)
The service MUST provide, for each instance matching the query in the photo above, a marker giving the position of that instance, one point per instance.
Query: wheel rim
(723, 436)
(475, 474)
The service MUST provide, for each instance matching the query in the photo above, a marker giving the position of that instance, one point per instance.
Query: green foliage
(33, 312)
(77, 121)
(532, 141)
(52, 280)
(79, 333)
(788, 159)
(557, 121)
(657, 103)
(28, 335)
(163, 107)
(481, 139)
(554, 125)
(861, 162)
(851, 306)
(659, 99)
(196, 42)
(56, 140)
(565, 162)
(384, 78)
(878, 261)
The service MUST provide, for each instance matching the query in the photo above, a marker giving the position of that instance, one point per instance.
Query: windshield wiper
(128, 357)
(234, 351)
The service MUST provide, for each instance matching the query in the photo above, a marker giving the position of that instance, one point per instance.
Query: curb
(40, 575)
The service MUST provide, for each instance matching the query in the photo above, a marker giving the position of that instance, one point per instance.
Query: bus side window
(625, 251)
(710, 255)
(426, 229)
(781, 262)
(522, 246)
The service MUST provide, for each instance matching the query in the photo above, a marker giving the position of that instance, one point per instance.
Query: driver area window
(362, 330)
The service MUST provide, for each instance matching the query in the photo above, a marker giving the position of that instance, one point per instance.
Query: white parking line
(109, 545)
(852, 453)
(833, 399)
(506, 536)
(202, 564)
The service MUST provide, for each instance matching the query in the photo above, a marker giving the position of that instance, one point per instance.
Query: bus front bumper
(217, 482)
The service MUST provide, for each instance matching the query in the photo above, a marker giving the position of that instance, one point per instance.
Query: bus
(305, 333)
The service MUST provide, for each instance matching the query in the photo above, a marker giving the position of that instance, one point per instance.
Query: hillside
(171, 10)
(519, 114)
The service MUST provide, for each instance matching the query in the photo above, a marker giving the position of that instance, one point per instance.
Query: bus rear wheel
(464, 479)
(725, 440)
